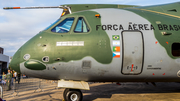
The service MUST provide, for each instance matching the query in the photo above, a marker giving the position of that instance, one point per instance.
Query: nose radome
(15, 62)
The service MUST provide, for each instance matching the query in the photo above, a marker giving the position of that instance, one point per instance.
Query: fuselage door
(133, 52)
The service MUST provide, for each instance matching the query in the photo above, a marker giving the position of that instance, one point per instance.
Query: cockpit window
(64, 26)
(81, 26)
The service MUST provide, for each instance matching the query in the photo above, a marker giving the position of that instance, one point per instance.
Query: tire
(65, 92)
(74, 95)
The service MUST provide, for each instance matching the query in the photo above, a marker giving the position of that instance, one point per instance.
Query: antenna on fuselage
(66, 10)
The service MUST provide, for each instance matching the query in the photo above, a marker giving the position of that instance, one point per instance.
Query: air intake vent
(173, 10)
(86, 64)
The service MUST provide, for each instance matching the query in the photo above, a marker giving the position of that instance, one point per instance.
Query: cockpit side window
(81, 26)
(64, 26)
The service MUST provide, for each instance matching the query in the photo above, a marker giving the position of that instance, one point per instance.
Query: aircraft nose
(15, 62)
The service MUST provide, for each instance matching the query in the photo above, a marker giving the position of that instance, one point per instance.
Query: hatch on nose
(34, 65)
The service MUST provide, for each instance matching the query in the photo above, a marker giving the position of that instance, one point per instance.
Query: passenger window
(176, 49)
(81, 26)
(64, 26)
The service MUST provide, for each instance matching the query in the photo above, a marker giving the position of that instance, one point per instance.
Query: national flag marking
(116, 49)
(115, 37)
(116, 55)
(116, 43)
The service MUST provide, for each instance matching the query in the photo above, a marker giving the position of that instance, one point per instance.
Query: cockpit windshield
(64, 26)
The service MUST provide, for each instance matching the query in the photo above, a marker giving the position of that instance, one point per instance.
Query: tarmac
(33, 89)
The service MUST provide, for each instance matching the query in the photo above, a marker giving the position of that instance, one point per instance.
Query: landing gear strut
(72, 95)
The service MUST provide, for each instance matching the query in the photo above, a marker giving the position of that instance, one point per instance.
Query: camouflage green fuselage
(152, 60)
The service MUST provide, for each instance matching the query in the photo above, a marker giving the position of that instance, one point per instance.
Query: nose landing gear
(72, 91)
(72, 95)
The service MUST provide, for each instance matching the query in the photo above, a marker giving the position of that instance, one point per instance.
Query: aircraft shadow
(106, 90)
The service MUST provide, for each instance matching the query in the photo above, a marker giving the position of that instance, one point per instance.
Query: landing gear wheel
(65, 92)
(72, 95)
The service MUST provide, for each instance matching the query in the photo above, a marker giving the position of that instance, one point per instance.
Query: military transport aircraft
(104, 43)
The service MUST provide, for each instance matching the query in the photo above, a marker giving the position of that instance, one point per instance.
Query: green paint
(34, 65)
(96, 43)
(14, 64)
